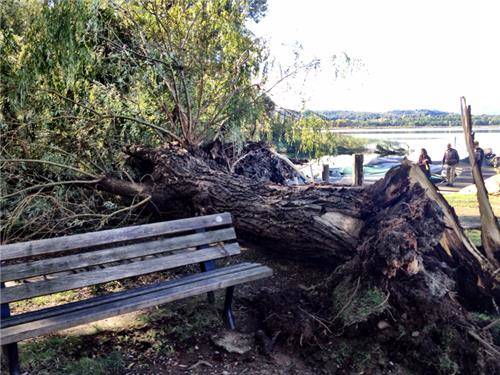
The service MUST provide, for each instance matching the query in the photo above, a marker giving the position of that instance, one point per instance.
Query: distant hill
(414, 117)
(419, 112)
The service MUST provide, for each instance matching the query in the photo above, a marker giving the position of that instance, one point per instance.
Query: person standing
(424, 162)
(450, 161)
(478, 155)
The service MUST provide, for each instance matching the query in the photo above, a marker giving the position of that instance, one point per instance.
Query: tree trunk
(398, 226)
(317, 222)
(395, 250)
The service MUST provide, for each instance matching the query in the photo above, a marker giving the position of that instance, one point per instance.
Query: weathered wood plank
(84, 240)
(59, 284)
(117, 296)
(44, 326)
(69, 262)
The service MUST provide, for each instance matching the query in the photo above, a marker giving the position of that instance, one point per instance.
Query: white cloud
(418, 54)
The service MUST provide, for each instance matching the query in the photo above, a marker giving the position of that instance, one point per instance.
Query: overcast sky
(408, 54)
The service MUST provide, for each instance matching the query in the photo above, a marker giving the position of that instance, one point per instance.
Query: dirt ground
(177, 338)
(277, 321)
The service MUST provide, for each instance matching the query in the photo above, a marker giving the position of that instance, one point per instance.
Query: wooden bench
(42, 267)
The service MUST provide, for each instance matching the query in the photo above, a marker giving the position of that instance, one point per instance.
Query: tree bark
(490, 229)
(317, 222)
(395, 250)
(399, 226)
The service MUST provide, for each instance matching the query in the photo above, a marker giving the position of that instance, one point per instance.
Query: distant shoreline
(400, 118)
(369, 129)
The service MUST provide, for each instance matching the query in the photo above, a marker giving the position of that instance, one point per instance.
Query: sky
(404, 54)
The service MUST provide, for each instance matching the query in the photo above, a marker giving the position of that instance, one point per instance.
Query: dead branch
(41, 187)
(490, 229)
(50, 163)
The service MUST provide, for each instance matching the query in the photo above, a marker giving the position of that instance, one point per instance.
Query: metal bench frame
(98, 257)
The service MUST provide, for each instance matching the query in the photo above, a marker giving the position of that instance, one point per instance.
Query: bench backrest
(64, 263)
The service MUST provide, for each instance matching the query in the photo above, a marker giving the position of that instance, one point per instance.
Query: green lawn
(474, 235)
(466, 204)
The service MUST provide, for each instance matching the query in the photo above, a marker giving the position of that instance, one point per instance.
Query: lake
(434, 139)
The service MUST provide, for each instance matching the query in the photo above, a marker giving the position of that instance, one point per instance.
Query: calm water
(434, 139)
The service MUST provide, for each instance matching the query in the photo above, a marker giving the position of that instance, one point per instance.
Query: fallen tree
(315, 222)
(395, 249)
(400, 220)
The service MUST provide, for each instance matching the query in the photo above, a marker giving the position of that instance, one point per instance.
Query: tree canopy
(103, 72)
(81, 79)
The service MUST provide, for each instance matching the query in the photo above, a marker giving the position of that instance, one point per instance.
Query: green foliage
(105, 365)
(354, 304)
(89, 75)
(201, 59)
(81, 79)
(60, 92)
(308, 136)
(67, 355)
(485, 319)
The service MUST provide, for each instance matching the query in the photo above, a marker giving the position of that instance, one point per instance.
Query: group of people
(450, 161)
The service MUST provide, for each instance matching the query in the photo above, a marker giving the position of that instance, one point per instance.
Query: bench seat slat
(114, 308)
(84, 240)
(69, 262)
(79, 280)
(116, 296)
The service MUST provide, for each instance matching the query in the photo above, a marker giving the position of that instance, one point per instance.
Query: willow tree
(309, 135)
(81, 79)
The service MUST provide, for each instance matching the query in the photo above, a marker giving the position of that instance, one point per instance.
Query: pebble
(383, 325)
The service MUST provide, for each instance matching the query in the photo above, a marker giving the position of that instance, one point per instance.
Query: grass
(354, 304)
(110, 364)
(45, 301)
(67, 355)
(166, 330)
(466, 204)
(474, 235)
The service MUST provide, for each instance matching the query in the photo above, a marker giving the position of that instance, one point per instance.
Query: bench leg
(12, 354)
(209, 265)
(10, 350)
(228, 309)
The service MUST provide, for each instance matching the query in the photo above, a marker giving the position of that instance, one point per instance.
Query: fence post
(326, 173)
(357, 170)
